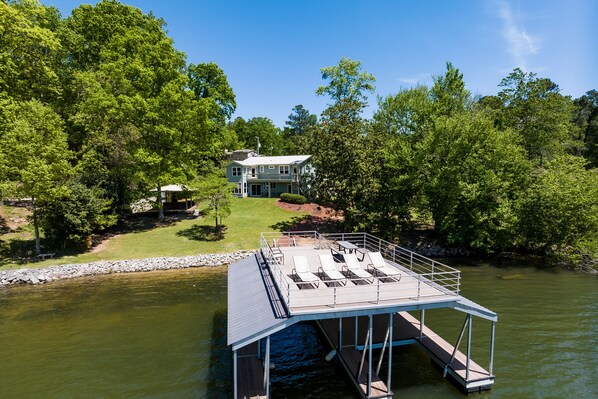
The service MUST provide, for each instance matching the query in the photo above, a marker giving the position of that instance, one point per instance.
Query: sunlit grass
(249, 217)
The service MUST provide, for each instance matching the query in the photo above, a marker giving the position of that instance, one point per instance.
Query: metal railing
(422, 277)
(273, 176)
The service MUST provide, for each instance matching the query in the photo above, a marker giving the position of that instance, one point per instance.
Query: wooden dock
(250, 377)
(406, 330)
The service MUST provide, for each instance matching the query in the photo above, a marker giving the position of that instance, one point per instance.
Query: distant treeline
(98, 108)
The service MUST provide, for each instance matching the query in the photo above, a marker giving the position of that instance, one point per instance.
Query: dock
(361, 318)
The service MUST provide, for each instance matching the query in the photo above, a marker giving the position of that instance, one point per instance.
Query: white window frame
(270, 166)
(237, 171)
(284, 170)
(261, 168)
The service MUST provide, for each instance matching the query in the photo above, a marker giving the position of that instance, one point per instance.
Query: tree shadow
(309, 223)
(199, 232)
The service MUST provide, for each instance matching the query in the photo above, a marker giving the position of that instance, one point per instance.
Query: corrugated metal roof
(279, 160)
(254, 308)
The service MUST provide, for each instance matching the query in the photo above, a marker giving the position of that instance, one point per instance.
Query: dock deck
(355, 314)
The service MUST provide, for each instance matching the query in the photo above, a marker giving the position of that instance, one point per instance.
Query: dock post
(468, 349)
(492, 331)
(356, 330)
(235, 393)
(422, 319)
(370, 359)
(340, 334)
(267, 368)
(390, 320)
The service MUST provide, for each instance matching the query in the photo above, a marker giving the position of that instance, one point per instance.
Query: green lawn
(249, 217)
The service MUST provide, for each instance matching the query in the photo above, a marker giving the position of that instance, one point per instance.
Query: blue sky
(272, 51)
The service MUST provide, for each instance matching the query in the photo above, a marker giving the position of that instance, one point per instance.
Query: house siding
(262, 181)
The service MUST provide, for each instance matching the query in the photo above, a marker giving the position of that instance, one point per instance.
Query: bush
(293, 198)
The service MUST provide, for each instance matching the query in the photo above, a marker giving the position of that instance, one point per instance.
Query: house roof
(279, 160)
(173, 188)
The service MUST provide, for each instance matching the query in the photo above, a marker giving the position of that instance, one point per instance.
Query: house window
(261, 169)
(237, 189)
(283, 169)
(270, 166)
(295, 170)
(244, 188)
(236, 171)
(273, 186)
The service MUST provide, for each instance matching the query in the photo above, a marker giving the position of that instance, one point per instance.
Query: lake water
(163, 335)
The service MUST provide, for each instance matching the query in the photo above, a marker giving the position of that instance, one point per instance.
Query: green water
(163, 335)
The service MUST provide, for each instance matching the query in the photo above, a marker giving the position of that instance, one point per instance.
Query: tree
(586, 118)
(36, 145)
(132, 108)
(209, 81)
(343, 173)
(472, 174)
(262, 129)
(299, 125)
(560, 208)
(448, 92)
(71, 217)
(218, 194)
(534, 108)
(29, 50)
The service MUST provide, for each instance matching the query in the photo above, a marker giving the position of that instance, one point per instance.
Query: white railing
(423, 277)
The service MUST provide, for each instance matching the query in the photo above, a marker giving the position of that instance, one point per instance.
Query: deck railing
(423, 271)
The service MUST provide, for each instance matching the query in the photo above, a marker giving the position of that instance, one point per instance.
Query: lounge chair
(352, 266)
(380, 267)
(302, 273)
(328, 268)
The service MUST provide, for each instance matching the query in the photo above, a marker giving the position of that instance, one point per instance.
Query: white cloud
(520, 44)
(419, 78)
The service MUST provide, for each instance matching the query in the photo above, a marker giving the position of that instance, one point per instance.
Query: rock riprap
(63, 272)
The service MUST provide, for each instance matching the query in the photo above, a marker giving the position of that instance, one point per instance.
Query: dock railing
(425, 271)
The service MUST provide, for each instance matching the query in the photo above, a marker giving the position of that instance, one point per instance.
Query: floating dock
(357, 315)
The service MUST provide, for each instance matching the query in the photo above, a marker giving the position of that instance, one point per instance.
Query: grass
(249, 217)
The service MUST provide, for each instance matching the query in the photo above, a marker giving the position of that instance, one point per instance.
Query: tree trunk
(38, 248)
(160, 205)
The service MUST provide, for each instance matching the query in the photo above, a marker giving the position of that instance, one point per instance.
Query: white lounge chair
(302, 273)
(328, 268)
(352, 266)
(380, 267)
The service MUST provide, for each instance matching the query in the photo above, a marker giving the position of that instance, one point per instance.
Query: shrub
(293, 198)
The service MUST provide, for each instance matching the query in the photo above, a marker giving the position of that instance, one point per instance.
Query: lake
(163, 335)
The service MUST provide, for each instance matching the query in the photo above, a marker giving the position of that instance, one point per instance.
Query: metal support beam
(370, 358)
(267, 368)
(468, 349)
(259, 348)
(492, 331)
(383, 350)
(356, 329)
(365, 347)
(390, 320)
(235, 391)
(422, 318)
(340, 334)
(456, 348)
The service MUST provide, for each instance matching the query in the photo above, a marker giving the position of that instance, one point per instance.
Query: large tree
(35, 143)
(586, 118)
(343, 170)
(300, 124)
(534, 108)
(29, 50)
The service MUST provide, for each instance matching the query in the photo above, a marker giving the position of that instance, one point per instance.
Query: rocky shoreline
(70, 271)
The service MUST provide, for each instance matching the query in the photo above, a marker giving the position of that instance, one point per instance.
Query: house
(268, 176)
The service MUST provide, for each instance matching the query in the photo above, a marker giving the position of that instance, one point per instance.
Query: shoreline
(35, 276)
